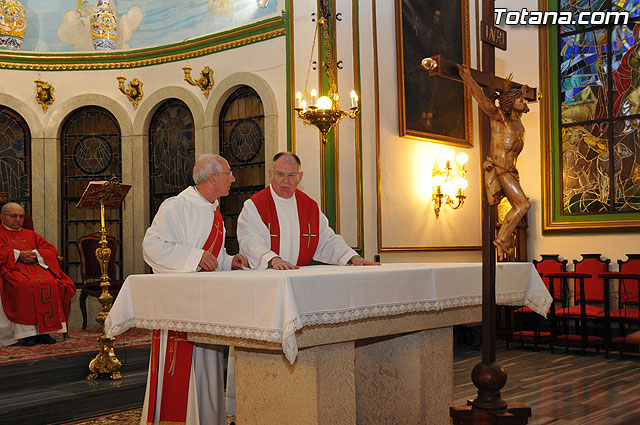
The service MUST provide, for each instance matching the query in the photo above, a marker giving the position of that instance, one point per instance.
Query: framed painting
(590, 121)
(433, 108)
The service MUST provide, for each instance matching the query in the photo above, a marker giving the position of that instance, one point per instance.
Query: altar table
(330, 344)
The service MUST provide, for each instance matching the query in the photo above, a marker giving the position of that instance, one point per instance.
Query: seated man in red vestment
(35, 293)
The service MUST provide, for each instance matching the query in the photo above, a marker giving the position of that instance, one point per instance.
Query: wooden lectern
(104, 194)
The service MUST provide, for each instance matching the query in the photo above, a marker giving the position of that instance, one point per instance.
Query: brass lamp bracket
(44, 94)
(205, 82)
(133, 92)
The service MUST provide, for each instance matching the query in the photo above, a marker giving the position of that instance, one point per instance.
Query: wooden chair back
(551, 263)
(90, 267)
(593, 286)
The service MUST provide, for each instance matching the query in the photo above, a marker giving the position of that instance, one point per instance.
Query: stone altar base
(403, 379)
(385, 370)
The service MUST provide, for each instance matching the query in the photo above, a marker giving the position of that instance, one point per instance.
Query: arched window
(242, 144)
(91, 151)
(15, 158)
(171, 152)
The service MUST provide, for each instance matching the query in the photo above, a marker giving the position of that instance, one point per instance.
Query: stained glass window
(15, 159)
(90, 152)
(242, 144)
(599, 113)
(171, 152)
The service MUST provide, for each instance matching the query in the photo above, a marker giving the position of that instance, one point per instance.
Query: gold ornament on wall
(134, 90)
(44, 94)
(205, 82)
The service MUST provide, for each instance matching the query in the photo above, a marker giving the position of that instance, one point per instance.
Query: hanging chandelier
(324, 112)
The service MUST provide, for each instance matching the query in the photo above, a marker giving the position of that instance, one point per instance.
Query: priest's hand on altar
(239, 262)
(278, 263)
(28, 257)
(208, 262)
(359, 261)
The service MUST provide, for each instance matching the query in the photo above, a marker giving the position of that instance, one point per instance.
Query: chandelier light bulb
(445, 158)
(437, 180)
(354, 99)
(460, 183)
(298, 99)
(303, 105)
(462, 158)
(324, 103)
(448, 188)
(314, 93)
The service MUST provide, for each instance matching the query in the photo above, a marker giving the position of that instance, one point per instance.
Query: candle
(304, 105)
(298, 99)
(354, 99)
(314, 93)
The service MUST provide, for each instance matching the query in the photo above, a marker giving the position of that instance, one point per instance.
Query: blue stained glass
(581, 55)
(632, 6)
(576, 6)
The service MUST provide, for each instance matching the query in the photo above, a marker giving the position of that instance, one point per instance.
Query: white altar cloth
(271, 305)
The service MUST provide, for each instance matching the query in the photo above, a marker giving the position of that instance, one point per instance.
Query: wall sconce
(205, 82)
(44, 93)
(133, 92)
(448, 187)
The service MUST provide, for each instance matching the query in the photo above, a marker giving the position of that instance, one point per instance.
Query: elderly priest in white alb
(282, 228)
(185, 384)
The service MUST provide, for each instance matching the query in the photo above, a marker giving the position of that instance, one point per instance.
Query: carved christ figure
(507, 140)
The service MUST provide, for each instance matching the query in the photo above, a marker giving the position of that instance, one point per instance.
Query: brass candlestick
(106, 360)
(108, 194)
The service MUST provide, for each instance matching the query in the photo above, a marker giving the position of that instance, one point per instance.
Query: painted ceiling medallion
(103, 26)
(13, 23)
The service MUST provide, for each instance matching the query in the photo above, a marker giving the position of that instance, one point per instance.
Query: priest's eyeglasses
(15, 215)
(291, 176)
(229, 173)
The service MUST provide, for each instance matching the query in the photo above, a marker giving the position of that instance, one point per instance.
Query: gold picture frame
(434, 109)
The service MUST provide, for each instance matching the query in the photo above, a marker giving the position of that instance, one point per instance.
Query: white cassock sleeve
(253, 237)
(255, 242)
(174, 241)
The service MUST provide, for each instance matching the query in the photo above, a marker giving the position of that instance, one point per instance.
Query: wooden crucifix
(499, 154)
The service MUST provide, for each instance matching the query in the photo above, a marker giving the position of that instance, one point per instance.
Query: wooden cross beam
(438, 66)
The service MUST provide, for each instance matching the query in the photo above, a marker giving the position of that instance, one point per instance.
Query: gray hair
(291, 155)
(9, 205)
(207, 164)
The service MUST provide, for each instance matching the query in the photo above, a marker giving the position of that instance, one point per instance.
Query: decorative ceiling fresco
(63, 25)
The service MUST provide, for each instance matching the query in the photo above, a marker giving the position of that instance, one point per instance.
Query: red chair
(589, 303)
(91, 272)
(627, 308)
(539, 334)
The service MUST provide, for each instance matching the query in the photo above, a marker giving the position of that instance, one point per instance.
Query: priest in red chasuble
(185, 383)
(282, 228)
(35, 293)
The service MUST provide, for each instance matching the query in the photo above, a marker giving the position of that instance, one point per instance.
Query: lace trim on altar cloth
(539, 303)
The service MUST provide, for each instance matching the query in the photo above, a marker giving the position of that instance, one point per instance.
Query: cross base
(514, 414)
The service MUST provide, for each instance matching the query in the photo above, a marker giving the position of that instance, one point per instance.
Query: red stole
(32, 294)
(308, 217)
(178, 356)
